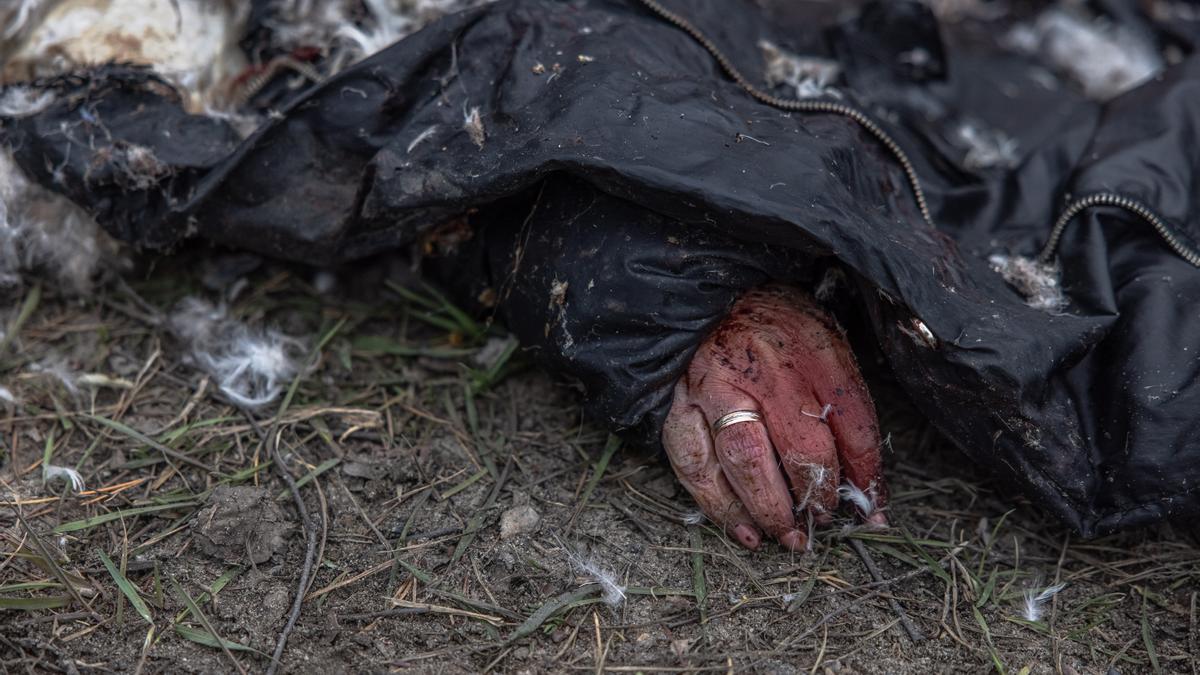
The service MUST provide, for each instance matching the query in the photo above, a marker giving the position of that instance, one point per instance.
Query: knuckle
(726, 508)
(690, 464)
(729, 360)
(725, 369)
(768, 337)
(701, 485)
(745, 447)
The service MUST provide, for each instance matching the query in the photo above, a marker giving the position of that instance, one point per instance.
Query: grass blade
(150, 442)
(30, 586)
(86, 523)
(801, 596)
(468, 325)
(465, 484)
(610, 449)
(550, 609)
(477, 520)
(320, 469)
(29, 604)
(218, 641)
(482, 380)
(1148, 639)
(987, 635)
(27, 308)
(215, 588)
(127, 588)
(381, 344)
(202, 637)
(932, 564)
(308, 366)
(988, 588)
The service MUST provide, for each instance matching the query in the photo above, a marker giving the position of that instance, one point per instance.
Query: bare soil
(408, 457)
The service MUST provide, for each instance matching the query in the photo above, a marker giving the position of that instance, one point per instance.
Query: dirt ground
(460, 518)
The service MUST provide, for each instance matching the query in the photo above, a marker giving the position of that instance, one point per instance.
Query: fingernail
(878, 519)
(794, 540)
(747, 536)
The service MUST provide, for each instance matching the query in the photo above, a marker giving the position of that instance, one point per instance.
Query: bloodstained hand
(780, 355)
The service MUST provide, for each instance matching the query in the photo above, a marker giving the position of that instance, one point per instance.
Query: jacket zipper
(1099, 199)
(799, 105)
(1131, 205)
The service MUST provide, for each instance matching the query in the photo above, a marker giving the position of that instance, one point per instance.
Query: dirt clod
(241, 524)
(276, 602)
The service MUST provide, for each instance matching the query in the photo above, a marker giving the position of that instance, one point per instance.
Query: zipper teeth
(1131, 205)
(1185, 251)
(248, 89)
(799, 105)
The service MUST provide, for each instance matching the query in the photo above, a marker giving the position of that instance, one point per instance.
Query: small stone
(519, 520)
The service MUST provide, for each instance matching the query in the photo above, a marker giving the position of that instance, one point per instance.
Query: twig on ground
(310, 551)
(375, 530)
(633, 519)
(384, 613)
(913, 632)
(323, 519)
(432, 534)
(310, 534)
(879, 586)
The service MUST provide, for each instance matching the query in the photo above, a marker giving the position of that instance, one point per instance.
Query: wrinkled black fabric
(569, 268)
(624, 191)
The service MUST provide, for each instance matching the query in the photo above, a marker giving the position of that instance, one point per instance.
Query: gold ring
(735, 417)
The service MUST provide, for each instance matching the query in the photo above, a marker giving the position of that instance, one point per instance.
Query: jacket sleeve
(602, 291)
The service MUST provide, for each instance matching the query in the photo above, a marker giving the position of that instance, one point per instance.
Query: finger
(689, 448)
(752, 467)
(855, 430)
(853, 422)
(834, 376)
(805, 446)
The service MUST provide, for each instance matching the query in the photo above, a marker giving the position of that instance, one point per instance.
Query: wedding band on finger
(736, 417)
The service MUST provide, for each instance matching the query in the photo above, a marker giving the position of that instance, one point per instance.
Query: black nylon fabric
(641, 191)
(602, 289)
